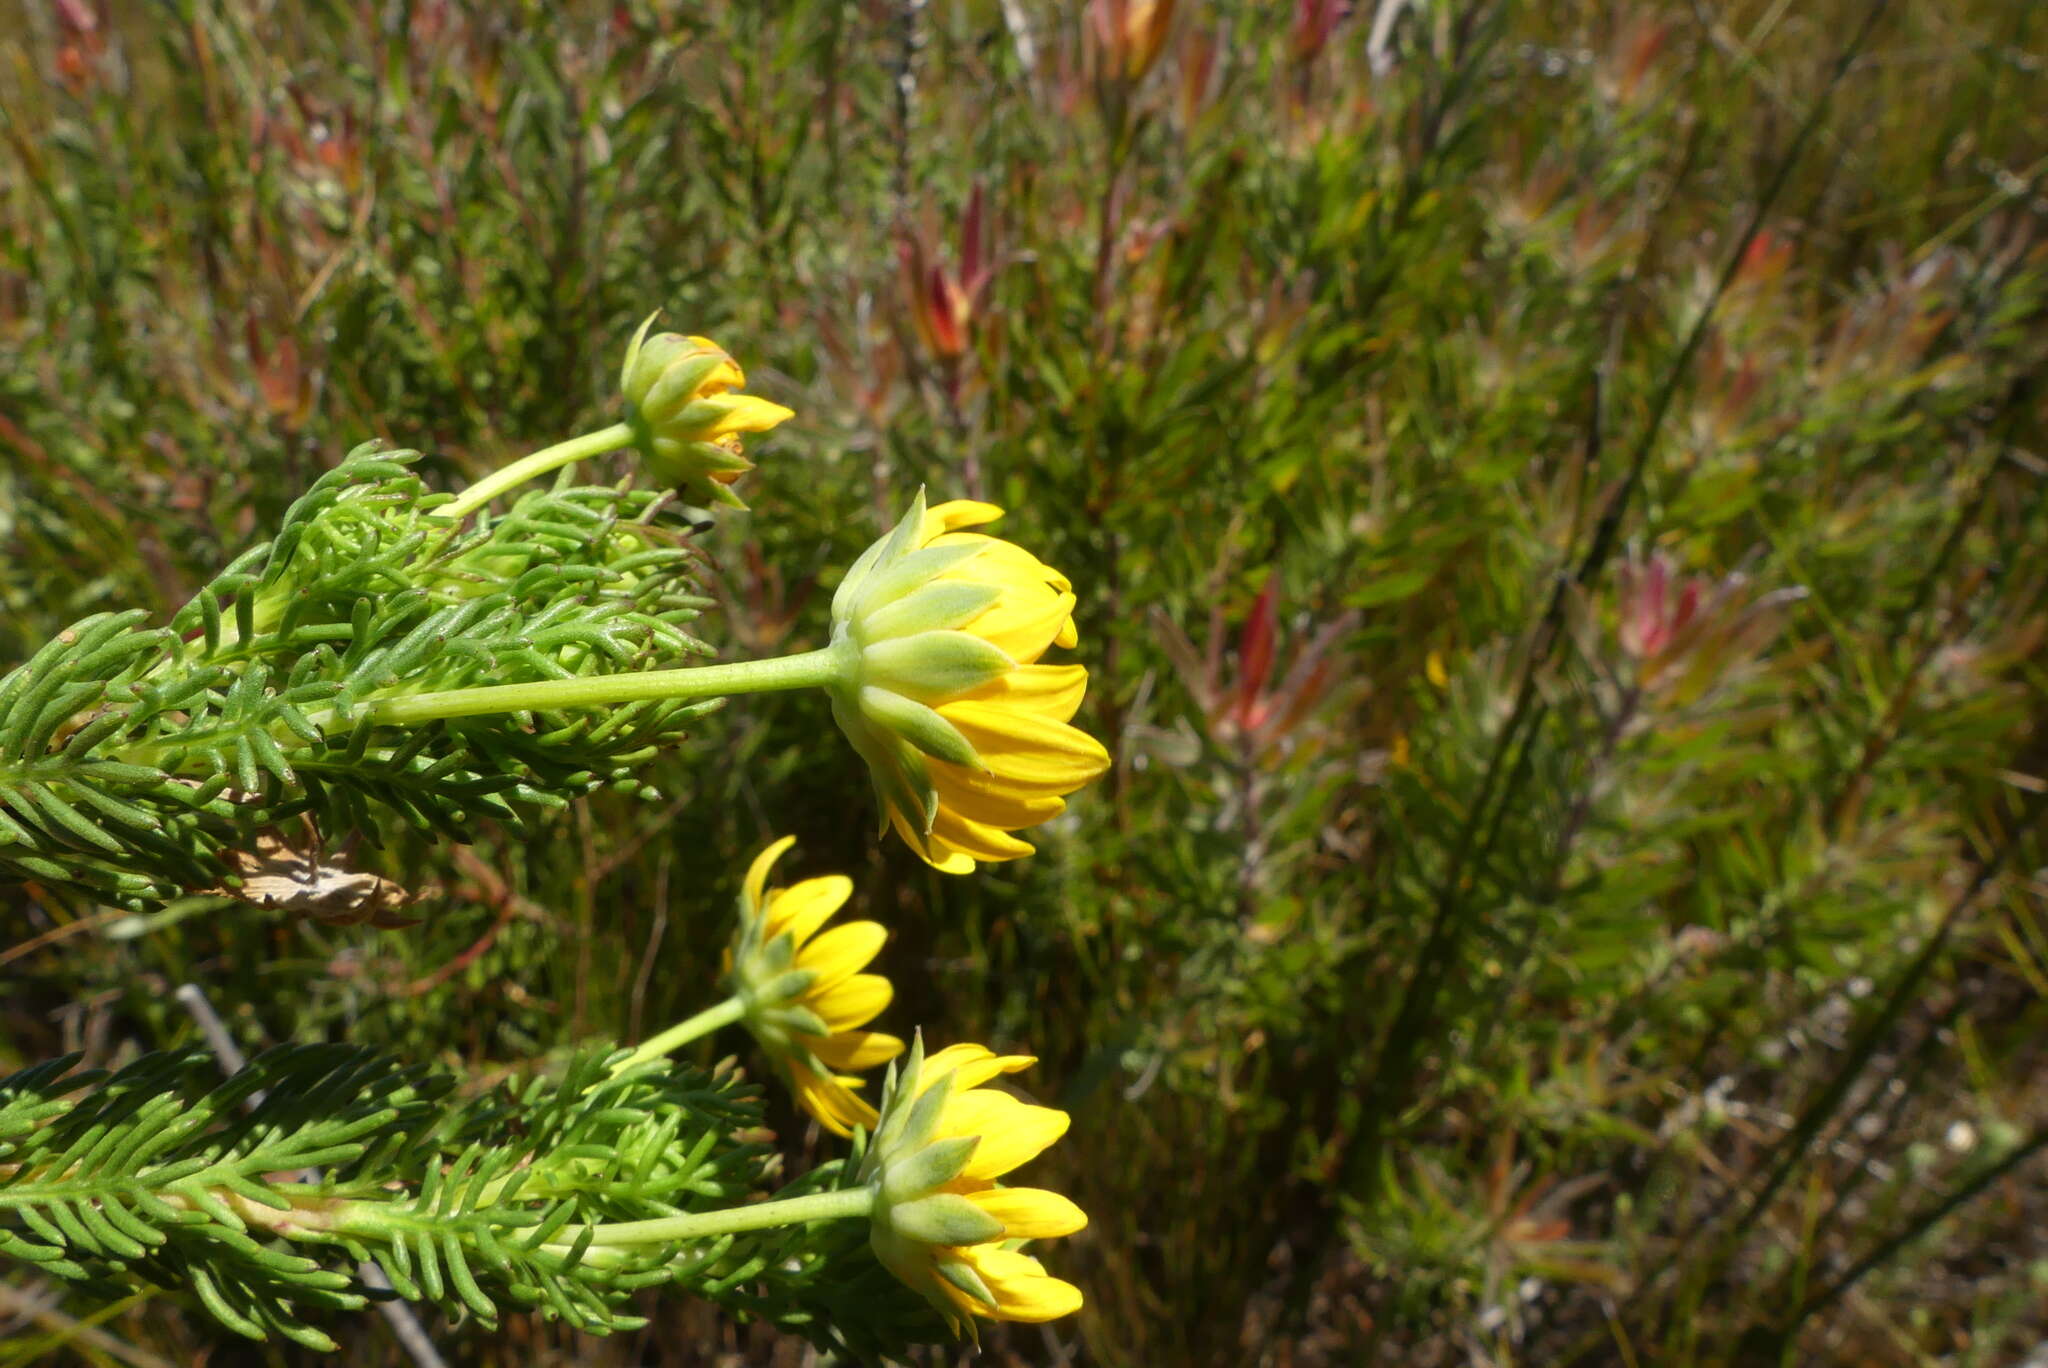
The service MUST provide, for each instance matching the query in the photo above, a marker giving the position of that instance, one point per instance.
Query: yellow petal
(948, 858)
(1007, 558)
(750, 413)
(943, 858)
(956, 513)
(727, 375)
(1012, 1133)
(829, 1099)
(757, 873)
(803, 907)
(999, 562)
(854, 1050)
(1024, 1291)
(973, 1066)
(986, 843)
(991, 804)
(840, 953)
(1023, 622)
(1030, 1213)
(1053, 691)
(1024, 747)
(855, 1002)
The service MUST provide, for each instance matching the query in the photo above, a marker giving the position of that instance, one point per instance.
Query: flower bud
(1125, 36)
(683, 404)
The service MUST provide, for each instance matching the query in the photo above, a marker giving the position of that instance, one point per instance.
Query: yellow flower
(964, 733)
(803, 993)
(940, 1223)
(686, 415)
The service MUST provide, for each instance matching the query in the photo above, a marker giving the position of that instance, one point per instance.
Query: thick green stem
(818, 1206)
(682, 1033)
(539, 463)
(809, 670)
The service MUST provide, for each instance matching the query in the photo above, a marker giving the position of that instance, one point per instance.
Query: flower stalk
(816, 1206)
(807, 670)
(532, 467)
(571, 1192)
(682, 1033)
(683, 414)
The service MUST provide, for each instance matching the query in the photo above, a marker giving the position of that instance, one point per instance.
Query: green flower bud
(687, 416)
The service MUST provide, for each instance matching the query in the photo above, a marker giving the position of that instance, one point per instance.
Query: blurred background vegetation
(1556, 494)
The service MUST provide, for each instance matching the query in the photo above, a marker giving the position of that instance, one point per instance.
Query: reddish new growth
(1243, 709)
(945, 305)
(1652, 615)
(1690, 633)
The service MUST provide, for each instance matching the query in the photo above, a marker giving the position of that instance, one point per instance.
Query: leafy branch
(138, 762)
(262, 1193)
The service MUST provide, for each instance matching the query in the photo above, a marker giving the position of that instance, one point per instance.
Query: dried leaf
(277, 874)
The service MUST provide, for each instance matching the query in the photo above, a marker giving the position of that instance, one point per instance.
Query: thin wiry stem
(1393, 1076)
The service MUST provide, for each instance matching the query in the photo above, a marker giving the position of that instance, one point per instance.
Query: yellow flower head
(804, 994)
(964, 733)
(940, 1223)
(686, 414)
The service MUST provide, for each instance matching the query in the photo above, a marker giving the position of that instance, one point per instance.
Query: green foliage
(161, 1174)
(139, 761)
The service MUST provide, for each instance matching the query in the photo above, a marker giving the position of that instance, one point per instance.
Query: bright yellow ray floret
(965, 733)
(805, 996)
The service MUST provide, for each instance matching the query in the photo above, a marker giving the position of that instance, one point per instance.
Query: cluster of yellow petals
(686, 412)
(1007, 1133)
(1026, 757)
(739, 413)
(1018, 723)
(838, 995)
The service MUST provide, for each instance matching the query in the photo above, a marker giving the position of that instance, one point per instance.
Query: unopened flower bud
(687, 416)
(1127, 35)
